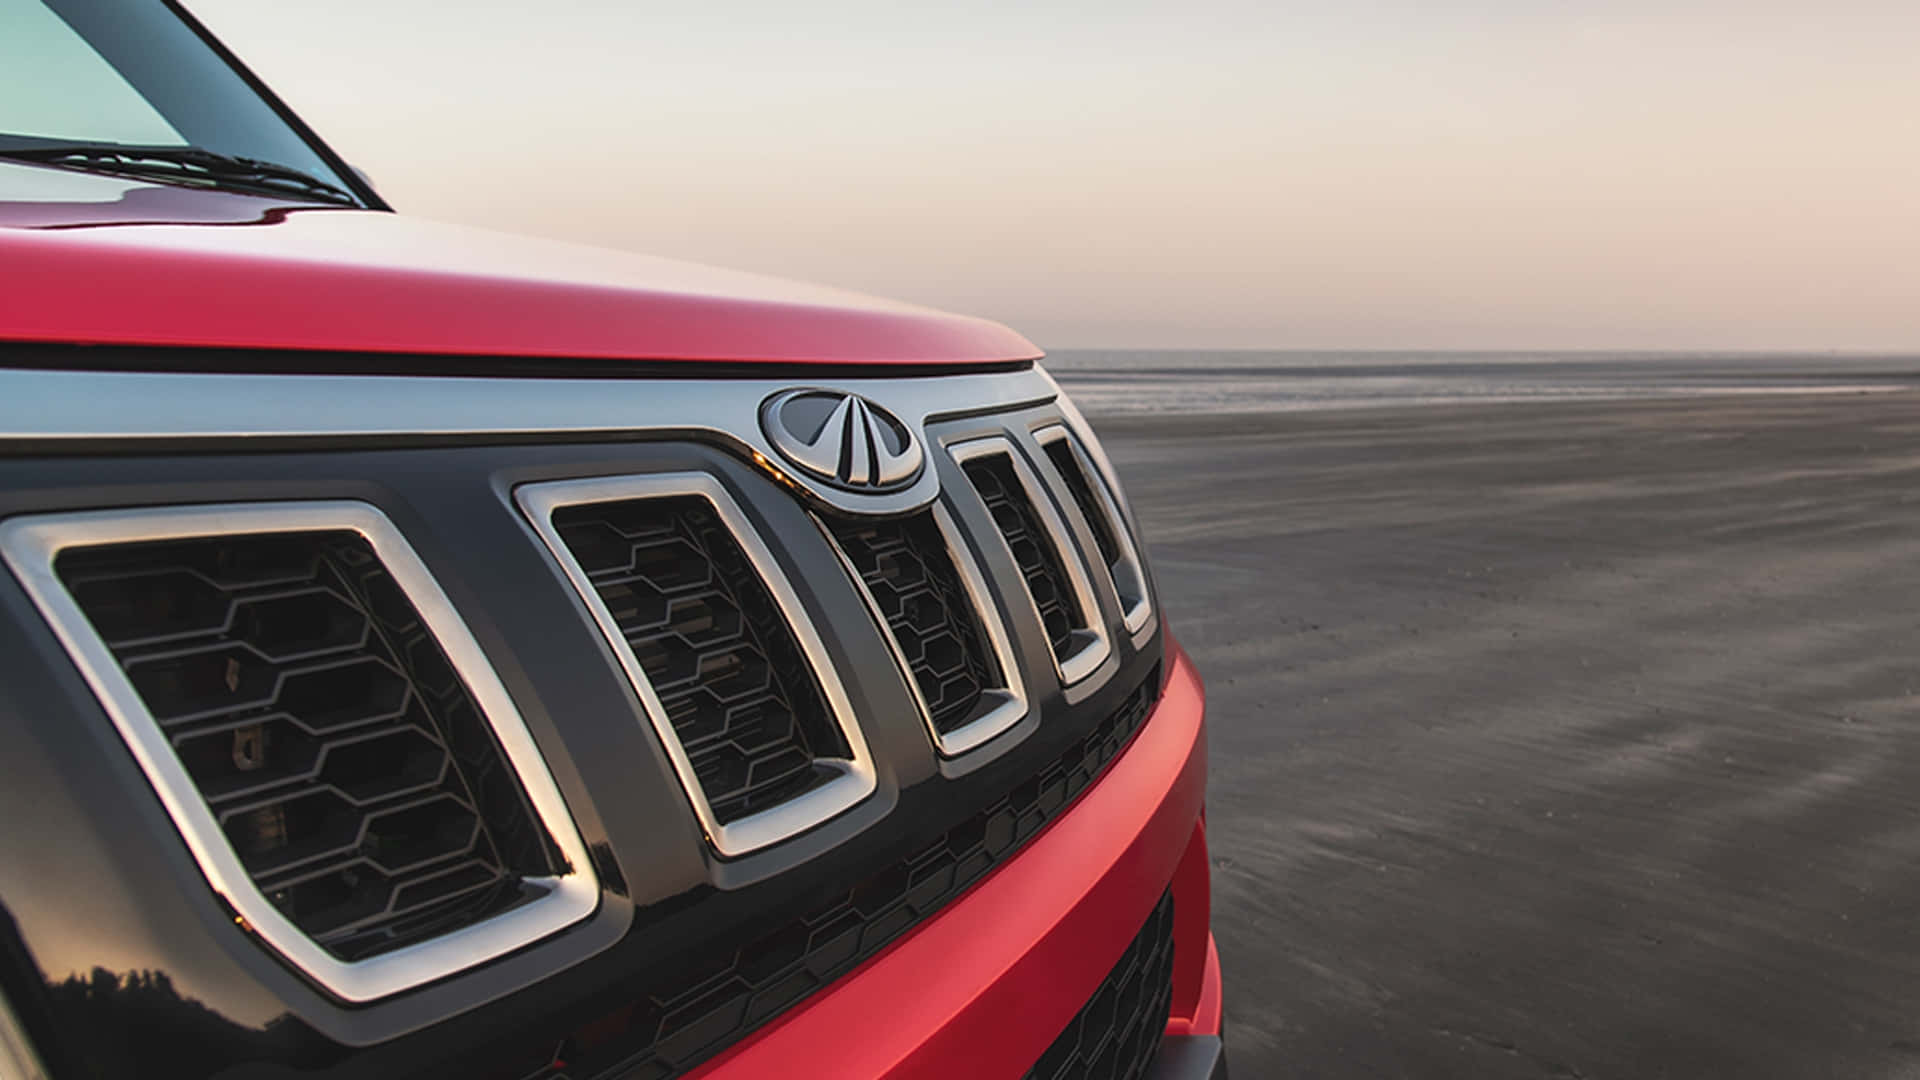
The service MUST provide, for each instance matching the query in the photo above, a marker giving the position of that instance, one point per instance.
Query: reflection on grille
(1061, 454)
(1039, 563)
(910, 574)
(1116, 1034)
(1101, 512)
(695, 1012)
(355, 778)
(729, 674)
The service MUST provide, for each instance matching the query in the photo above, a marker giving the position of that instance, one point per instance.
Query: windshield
(101, 73)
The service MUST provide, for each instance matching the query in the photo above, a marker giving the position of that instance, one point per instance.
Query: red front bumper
(981, 989)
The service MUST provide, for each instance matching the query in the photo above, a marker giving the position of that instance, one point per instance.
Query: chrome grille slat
(904, 565)
(1088, 491)
(728, 673)
(1060, 453)
(935, 561)
(354, 787)
(1038, 558)
(1051, 566)
(669, 677)
(265, 847)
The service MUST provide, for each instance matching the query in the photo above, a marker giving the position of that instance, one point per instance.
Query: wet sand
(1563, 740)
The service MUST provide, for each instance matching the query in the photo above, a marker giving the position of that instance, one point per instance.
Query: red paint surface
(1207, 1017)
(1192, 917)
(980, 990)
(234, 271)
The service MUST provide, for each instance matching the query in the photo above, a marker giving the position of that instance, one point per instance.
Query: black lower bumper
(1190, 1057)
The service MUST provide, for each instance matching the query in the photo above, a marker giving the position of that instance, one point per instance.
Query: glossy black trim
(64, 356)
(1190, 1057)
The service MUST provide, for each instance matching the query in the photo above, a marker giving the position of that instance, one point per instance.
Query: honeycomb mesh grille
(1117, 1033)
(1067, 463)
(732, 680)
(910, 574)
(694, 1011)
(993, 477)
(351, 772)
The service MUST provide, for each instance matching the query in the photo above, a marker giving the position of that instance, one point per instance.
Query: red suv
(426, 652)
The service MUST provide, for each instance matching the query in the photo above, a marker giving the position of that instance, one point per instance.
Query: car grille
(346, 763)
(909, 573)
(728, 672)
(343, 759)
(993, 477)
(1117, 1033)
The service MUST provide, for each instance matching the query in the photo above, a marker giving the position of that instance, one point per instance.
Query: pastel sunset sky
(1215, 173)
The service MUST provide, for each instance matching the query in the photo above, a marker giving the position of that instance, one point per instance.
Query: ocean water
(1110, 382)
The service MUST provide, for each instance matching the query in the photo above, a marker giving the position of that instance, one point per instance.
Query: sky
(1366, 174)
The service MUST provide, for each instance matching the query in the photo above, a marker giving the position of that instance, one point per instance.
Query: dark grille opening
(685, 1016)
(733, 681)
(1105, 523)
(1117, 1033)
(993, 477)
(1067, 463)
(910, 574)
(349, 768)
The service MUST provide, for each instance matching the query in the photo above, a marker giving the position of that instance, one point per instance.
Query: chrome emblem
(842, 438)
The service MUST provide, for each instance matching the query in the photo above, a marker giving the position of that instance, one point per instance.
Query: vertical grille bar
(728, 668)
(1037, 540)
(338, 756)
(729, 675)
(932, 603)
(325, 729)
(1101, 511)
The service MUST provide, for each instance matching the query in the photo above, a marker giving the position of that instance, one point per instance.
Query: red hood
(92, 260)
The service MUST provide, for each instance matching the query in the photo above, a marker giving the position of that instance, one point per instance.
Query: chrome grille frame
(1129, 564)
(1094, 646)
(857, 779)
(30, 545)
(1011, 704)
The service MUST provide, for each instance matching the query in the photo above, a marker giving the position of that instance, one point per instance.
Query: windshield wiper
(187, 165)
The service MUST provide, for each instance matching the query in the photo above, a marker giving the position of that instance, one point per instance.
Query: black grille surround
(1006, 499)
(672, 1024)
(732, 680)
(346, 763)
(1117, 1033)
(909, 572)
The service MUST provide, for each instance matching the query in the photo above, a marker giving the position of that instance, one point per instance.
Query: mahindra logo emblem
(842, 438)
